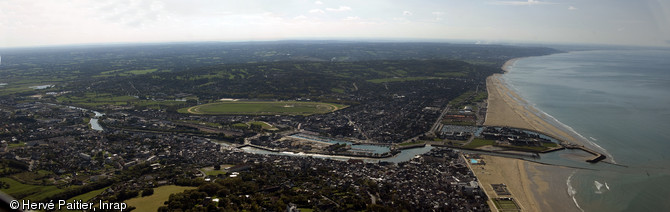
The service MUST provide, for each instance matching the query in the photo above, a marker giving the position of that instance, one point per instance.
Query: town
(439, 179)
(389, 138)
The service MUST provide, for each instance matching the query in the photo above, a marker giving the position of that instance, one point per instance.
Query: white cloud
(522, 3)
(339, 9)
(351, 18)
(133, 13)
(317, 11)
(26, 22)
(438, 15)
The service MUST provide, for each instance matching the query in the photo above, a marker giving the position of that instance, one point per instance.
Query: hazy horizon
(38, 23)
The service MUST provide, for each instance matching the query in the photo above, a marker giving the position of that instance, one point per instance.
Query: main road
(434, 128)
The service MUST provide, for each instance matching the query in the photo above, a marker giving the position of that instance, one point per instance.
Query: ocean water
(619, 102)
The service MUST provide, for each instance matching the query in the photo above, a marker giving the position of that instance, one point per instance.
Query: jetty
(565, 145)
(598, 156)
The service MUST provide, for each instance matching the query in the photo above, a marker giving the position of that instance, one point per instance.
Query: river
(94, 121)
(404, 155)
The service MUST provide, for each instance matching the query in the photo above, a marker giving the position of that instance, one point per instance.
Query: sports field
(263, 108)
(156, 200)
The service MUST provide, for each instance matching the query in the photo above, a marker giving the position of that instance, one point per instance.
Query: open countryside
(263, 108)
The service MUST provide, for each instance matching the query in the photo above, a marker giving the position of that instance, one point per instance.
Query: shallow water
(615, 99)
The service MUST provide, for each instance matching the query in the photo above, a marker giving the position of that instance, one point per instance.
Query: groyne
(598, 156)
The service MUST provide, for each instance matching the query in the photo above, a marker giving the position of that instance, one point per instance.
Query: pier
(598, 156)
(565, 145)
(410, 146)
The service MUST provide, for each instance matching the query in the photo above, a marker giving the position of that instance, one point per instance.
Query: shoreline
(505, 67)
(512, 110)
(536, 187)
(507, 108)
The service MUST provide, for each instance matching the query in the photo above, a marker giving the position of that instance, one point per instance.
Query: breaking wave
(572, 191)
(531, 107)
(599, 186)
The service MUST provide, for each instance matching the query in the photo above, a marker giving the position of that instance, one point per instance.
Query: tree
(125, 195)
(217, 167)
(4, 185)
(147, 192)
(256, 127)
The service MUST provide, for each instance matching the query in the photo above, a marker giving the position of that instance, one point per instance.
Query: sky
(52, 22)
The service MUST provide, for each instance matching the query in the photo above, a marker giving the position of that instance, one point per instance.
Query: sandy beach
(506, 108)
(548, 186)
(511, 172)
(536, 187)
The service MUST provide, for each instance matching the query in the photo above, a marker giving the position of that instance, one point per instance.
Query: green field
(153, 202)
(100, 99)
(211, 172)
(123, 73)
(263, 108)
(402, 79)
(26, 191)
(411, 143)
(20, 144)
(506, 205)
(479, 142)
(88, 196)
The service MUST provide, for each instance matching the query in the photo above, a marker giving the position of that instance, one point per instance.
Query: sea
(618, 102)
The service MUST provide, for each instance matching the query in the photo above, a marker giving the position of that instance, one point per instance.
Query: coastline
(536, 187)
(505, 67)
(506, 108)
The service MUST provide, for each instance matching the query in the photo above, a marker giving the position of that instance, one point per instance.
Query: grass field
(401, 79)
(211, 172)
(263, 125)
(87, 196)
(26, 191)
(153, 202)
(99, 99)
(20, 144)
(506, 205)
(263, 108)
(478, 142)
(33, 177)
(123, 73)
(411, 143)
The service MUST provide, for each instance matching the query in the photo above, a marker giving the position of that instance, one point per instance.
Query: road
(433, 128)
(357, 127)
(439, 120)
